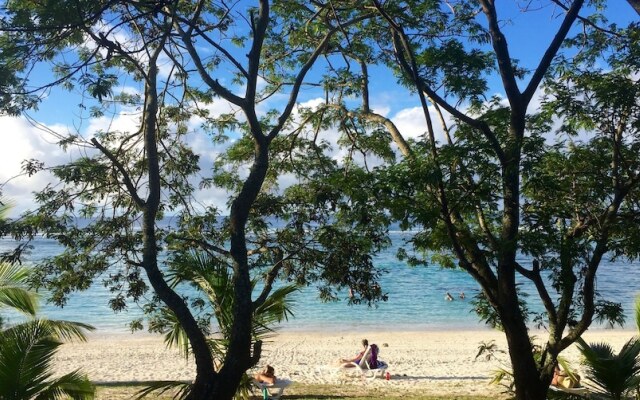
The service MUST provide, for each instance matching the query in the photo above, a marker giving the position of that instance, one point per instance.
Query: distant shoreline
(382, 327)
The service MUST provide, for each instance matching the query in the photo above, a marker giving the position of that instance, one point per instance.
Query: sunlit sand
(430, 363)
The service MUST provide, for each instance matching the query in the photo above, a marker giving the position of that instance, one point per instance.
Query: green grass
(299, 391)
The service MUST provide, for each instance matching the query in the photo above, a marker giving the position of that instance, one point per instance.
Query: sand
(432, 362)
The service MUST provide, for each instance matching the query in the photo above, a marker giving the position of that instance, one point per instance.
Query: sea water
(416, 298)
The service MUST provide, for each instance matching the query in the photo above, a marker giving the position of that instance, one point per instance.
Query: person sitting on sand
(346, 362)
(267, 375)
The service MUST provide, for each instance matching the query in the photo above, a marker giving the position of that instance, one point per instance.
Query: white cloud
(410, 122)
(383, 110)
(23, 141)
(122, 122)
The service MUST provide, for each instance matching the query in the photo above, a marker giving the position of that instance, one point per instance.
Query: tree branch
(393, 130)
(535, 276)
(402, 46)
(587, 21)
(505, 66)
(212, 83)
(259, 28)
(121, 169)
(635, 4)
(305, 68)
(551, 52)
(203, 244)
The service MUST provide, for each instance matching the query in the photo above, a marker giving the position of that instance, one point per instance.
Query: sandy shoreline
(430, 362)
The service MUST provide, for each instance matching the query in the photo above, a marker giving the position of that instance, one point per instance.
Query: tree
(214, 280)
(125, 181)
(613, 375)
(497, 184)
(13, 293)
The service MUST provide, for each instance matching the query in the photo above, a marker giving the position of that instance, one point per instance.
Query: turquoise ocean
(415, 298)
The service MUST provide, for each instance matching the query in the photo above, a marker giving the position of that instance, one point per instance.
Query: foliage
(504, 376)
(492, 186)
(13, 293)
(13, 281)
(488, 350)
(495, 177)
(26, 355)
(27, 349)
(611, 374)
(213, 281)
(160, 64)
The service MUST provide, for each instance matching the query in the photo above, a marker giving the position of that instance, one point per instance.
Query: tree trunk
(528, 385)
(238, 359)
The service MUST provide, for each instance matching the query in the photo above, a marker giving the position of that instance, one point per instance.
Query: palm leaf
(174, 335)
(13, 292)
(213, 279)
(67, 331)
(181, 389)
(74, 385)
(26, 353)
(276, 308)
(609, 373)
(26, 356)
(567, 368)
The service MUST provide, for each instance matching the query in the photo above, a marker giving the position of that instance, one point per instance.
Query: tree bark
(203, 359)
(529, 385)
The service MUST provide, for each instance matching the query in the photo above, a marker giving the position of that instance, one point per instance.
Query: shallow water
(415, 298)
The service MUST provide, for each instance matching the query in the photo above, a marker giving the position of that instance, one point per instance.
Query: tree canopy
(546, 168)
(107, 204)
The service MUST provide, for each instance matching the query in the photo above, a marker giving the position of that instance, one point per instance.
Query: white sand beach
(430, 362)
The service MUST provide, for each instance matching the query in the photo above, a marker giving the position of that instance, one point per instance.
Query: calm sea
(416, 298)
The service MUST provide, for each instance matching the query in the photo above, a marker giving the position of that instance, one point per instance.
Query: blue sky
(528, 34)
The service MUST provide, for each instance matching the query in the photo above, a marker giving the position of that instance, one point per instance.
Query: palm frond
(74, 385)
(612, 374)
(13, 290)
(276, 308)
(26, 353)
(174, 334)
(499, 375)
(218, 347)
(213, 279)
(180, 389)
(67, 331)
(566, 367)
(26, 356)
